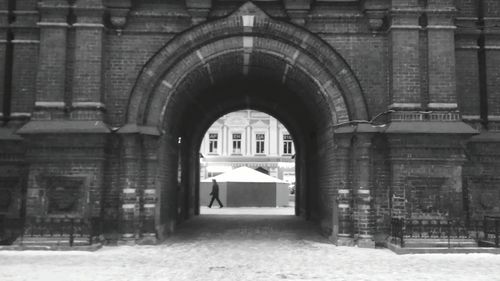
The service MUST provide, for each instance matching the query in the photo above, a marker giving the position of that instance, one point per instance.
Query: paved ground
(226, 245)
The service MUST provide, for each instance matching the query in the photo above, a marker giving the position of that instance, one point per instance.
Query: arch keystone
(248, 20)
(249, 11)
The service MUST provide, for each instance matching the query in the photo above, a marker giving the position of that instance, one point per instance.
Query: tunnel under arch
(244, 61)
(206, 125)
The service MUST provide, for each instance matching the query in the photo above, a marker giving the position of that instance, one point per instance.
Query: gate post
(363, 211)
(342, 203)
(130, 196)
(148, 202)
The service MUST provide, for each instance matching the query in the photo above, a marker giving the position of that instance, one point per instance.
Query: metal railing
(397, 231)
(62, 228)
(491, 231)
(10, 229)
(485, 231)
(68, 229)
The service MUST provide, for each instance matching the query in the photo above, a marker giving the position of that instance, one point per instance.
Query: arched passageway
(107, 133)
(244, 61)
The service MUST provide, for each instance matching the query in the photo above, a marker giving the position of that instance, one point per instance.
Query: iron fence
(397, 231)
(484, 231)
(62, 228)
(67, 229)
(491, 230)
(10, 229)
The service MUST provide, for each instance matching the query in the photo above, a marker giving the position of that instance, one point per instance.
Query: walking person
(215, 194)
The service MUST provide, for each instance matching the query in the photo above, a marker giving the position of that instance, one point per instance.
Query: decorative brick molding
(213, 40)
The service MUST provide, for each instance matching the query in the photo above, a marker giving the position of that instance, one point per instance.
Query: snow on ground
(222, 245)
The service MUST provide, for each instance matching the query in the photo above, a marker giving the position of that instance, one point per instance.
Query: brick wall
(492, 8)
(25, 57)
(467, 78)
(12, 178)
(367, 55)
(24, 76)
(166, 215)
(481, 179)
(381, 185)
(405, 65)
(125, 55)
(74, 158)
(111, 191)
(421, 164)
(493, 75)
(326, 180)
(466, 8)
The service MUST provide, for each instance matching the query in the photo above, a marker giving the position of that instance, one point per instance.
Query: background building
(248, 138)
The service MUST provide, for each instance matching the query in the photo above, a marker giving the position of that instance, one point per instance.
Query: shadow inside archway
(247, 227)
(256, 211)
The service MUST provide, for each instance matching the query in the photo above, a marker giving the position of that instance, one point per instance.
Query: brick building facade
(394, 106)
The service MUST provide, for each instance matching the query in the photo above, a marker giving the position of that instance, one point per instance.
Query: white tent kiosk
(245, 187)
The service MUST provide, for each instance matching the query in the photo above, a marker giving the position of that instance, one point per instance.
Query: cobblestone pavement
(221, 245)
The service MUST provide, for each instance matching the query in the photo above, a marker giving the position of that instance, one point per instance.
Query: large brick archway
(104, 105)
(246, 60)
(292, 52)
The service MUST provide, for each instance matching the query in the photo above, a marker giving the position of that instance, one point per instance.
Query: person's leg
(211, 202)
(220, 203)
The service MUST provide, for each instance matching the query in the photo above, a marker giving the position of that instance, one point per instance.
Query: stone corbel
(118, 12)
(199, 10)
(492, 33)
(55, 11)
(88, 13)
(376, 13)
(297, 10)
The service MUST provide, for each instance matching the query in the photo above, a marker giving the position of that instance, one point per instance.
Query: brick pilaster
(148, 190)
(492, 54)
(466, 51)
(51, 72)
(404, 55)
(87, 71)
(25, 53)
(441, 55)
(4, 25)
(343, 188)
(363, 211)
(130, 198)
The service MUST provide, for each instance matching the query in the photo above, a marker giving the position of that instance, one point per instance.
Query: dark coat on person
(215, 190)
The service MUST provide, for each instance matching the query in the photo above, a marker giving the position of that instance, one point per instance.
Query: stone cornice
(53, 24)
(117, 3)
(53, 9)
(21, 41)
(64, 127)
(410, 11)
(87, 25)
(447, 12)
(94, 12)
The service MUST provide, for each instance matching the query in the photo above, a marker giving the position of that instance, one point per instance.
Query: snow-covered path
(220, 246)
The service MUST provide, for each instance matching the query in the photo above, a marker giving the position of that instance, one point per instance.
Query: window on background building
(236, 143)
(287, 144)
(213, 142)
(262, 170)
(213, 174)
(260, 140)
